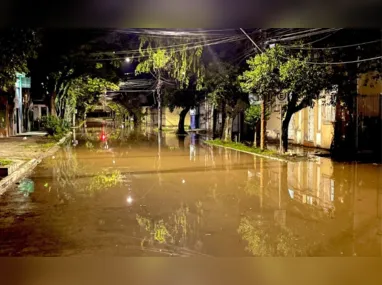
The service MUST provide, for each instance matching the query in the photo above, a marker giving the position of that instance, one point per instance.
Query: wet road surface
(126, 196)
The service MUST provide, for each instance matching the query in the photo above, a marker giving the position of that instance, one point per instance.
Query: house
(14, 114)
(37, 110)
(169, 119)
(314, 127)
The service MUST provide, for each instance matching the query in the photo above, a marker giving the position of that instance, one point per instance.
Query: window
(328, 108)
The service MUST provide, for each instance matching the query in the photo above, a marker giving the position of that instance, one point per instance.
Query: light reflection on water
(184, 198)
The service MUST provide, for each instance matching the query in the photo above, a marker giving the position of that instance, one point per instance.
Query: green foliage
(253, 115)
(303, 80)
(17, 46)
(173, 230)
(85, 92)
(5, 162)
(171, 58)
(104, 180)
(119, 109)
(276, 71)
(66, 57)
(261, 77)
(265, 239)
(55, 126)
(223, 87)
(254, 150)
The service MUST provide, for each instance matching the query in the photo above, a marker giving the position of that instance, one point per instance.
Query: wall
(172, 118)
(369, 84)
(169, 119)
(322, 116)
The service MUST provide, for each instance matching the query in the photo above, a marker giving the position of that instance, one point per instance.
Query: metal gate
(369, 122)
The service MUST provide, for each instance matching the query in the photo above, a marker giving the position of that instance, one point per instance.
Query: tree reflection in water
(269, 239)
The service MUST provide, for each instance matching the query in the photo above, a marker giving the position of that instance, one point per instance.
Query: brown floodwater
(130, 194)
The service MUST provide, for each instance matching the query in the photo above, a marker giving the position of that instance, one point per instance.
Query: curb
(260, 155)
(29, 166)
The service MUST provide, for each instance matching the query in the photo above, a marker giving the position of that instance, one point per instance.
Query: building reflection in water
(327, 208)
(192, 147)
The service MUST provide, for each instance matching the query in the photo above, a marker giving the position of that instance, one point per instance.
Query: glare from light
(129, 200)
(113, 161)
(127, 59)
(183, 181)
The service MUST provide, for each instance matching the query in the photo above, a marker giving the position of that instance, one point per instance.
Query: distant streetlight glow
(127, 59)
(129, 200)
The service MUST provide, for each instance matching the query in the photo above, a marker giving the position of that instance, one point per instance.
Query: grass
(5, 162)
(254, 150)
(41, 146)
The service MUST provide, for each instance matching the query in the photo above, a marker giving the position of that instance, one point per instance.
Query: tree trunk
(53, 111)
(182, 116)
(284, 132)
(263, 124)
(224, 116)
(214, 121)
(228, 128)
(137, 121)
(7, 121)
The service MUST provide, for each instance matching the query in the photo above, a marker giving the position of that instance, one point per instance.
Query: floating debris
(26, 187)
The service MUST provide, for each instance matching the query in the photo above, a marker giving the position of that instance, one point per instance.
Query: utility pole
(159, 98)
(264, 99)
(263, 112)
(262, 124)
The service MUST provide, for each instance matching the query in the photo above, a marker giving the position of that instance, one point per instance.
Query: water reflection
(178, 196)
(179, 232)
(26, 187)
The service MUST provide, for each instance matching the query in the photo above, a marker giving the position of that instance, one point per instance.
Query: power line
(301, 32)
(340, 62)
(251, 40)
(233, 39)
(302, 36)
(328, 48)
(168, 46)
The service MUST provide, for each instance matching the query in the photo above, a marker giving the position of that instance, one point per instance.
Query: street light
(127, 59)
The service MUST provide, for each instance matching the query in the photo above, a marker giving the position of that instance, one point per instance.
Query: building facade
(313, 127)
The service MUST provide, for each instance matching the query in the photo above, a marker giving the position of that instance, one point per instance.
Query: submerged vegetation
(254, 150)
(267, 239)
(104, 180)
(5, 162)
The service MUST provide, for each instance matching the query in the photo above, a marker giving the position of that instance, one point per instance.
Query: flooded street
(119, 193)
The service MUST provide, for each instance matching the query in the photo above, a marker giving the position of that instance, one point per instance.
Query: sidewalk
(27, 152)
(19, 148)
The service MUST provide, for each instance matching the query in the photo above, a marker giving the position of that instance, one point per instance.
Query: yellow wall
(169, 119)
(322, 133)
(369, 86)
(172, 118)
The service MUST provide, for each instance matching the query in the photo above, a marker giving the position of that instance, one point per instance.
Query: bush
(55, 126)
